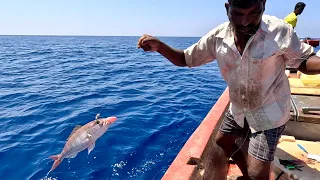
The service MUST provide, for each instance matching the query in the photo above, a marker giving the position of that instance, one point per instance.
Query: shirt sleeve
(201, 52)
(297, 51)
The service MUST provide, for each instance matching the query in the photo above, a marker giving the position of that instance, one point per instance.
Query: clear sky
(135, 17)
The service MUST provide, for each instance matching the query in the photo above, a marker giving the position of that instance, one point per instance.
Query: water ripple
(48, 85)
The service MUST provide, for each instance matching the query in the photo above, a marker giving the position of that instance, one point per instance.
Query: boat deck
(201, 158)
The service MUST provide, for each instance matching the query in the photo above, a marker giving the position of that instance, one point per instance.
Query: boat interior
(202, 158)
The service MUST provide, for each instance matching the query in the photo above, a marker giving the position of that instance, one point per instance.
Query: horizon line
(96, 35)
(54, 35)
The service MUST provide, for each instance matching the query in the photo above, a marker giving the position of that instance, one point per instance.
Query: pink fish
(81, 138)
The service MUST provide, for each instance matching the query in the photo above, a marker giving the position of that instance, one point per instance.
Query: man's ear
(227, 5)
(264, 4)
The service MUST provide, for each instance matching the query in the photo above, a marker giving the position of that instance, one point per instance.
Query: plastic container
(310, 80)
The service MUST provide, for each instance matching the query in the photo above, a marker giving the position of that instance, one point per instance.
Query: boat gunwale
(197, 143)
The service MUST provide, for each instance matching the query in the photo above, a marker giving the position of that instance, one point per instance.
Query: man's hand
(149, 43)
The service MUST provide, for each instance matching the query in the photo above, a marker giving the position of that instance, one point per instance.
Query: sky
(133, 18)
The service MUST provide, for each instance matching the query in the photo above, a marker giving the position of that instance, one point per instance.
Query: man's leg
(229, 131)
(226, 142)
(261, 152)
(258, 170)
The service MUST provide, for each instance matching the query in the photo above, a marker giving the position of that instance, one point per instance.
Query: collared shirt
(291, 19)
(258, 87)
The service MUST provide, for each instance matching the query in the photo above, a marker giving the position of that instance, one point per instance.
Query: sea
(50, 84)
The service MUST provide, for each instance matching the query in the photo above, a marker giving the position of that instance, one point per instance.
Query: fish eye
(97, 121)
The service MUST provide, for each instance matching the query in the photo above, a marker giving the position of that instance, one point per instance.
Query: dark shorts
(262, 145)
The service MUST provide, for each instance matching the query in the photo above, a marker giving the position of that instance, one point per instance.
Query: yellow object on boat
(310, 80)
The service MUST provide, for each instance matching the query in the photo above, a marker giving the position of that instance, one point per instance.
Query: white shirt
(258, 87)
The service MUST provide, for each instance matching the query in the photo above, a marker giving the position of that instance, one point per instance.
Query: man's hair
(300, 5)
(243, 3)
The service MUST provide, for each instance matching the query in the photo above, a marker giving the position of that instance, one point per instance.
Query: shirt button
(243, 96)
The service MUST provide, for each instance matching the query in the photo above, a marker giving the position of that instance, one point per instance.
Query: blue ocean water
(48, 85)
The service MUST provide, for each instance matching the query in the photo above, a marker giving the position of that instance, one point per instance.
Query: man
(293, 17)
(252, 51)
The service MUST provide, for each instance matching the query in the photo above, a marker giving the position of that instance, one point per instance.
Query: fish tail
(54, 157)
(56, 163)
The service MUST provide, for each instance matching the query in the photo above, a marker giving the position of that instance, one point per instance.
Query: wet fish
(81, 138)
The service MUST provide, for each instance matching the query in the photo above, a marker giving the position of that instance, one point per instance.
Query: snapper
(81, 138)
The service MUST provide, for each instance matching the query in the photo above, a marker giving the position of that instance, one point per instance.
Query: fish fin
(87, 139)
(74, 130)
(91, 147)
(56, 163)
(73, 155)
(54, 157)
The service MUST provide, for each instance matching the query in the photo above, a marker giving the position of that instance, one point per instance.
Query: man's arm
(311, 65)
(198, 54)
(300, 55)
(175, 56)
(153, 44)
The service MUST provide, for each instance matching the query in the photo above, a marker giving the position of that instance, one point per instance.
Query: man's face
(298, 11)
(245, 20)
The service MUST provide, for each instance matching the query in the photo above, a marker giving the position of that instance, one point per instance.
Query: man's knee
(258, 175)
(224, 141)
(258, 170)
(219, 139)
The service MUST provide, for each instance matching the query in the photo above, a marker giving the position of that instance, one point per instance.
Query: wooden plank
(305, 91)
(290, 151)
(297, 87)
(307, 101)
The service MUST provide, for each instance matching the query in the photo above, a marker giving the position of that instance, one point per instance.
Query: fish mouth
(111, 120)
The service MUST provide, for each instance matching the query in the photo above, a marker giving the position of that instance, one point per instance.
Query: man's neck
(241, 35)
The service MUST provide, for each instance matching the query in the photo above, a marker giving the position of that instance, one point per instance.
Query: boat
(310, 41)
(201, 158)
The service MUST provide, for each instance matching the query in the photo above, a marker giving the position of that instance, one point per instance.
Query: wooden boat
(201, 158)
(312, 42)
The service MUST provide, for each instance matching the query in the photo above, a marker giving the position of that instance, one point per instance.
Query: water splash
(48, 178)
(117, 167)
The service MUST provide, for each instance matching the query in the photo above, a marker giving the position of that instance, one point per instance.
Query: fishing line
(270, 45)
(278, 49)
(163, 169)
(245, 139)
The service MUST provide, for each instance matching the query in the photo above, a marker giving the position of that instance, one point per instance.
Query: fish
(83, 137)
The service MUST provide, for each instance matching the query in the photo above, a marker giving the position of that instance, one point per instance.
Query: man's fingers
(142, 38)
(146, 47)
(140, 41)
(147, 40)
